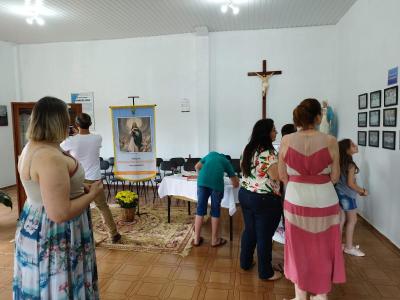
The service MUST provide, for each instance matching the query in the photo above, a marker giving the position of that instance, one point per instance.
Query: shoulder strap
(76, 163)
(35, 151)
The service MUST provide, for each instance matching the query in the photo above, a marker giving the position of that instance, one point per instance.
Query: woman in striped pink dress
(309, 165)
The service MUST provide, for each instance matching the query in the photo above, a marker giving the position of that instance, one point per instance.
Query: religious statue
(136, 141)
(265, 82)
(327, 122)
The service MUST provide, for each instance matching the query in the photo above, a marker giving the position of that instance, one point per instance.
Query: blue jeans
(261, 214)
(203, 193)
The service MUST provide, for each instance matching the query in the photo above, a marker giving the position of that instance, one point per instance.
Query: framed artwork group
(377, 117)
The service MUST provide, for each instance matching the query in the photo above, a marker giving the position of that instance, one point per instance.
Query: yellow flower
(127, 199)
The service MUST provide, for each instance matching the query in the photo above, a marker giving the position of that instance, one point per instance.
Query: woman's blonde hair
(49, 121)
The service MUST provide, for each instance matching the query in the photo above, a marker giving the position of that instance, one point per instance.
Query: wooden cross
(265, 77)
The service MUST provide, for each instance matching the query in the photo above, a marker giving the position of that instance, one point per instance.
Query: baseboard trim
(380, 236)
(8, 187)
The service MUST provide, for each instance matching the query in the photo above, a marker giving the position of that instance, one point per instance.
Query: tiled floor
(214, 273)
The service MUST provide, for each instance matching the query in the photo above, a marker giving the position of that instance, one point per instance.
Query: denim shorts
(346, 202)
(203, 193)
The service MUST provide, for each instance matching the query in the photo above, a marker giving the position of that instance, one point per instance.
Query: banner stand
(134, 144)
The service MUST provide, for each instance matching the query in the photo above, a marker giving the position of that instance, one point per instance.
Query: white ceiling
(77, 20)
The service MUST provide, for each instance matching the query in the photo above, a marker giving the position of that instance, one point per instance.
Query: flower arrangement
(5, 199)
(127, 199)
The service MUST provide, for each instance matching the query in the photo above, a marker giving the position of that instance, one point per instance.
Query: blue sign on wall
(392, 75)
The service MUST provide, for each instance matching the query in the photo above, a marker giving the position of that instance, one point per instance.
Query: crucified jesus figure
(265, 82)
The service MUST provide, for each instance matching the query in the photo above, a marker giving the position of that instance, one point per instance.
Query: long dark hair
(346, 160)
(260, 140)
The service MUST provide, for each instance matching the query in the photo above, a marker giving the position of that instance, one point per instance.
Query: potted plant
(5, 199)
(128, 201)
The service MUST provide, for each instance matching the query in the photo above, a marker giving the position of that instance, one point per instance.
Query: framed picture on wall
(391, 96)
(375, 99)
(375, 118)
(373, 138)
(389, 140)
(363, 101)
(362, 119)
(3, 115)
(362, 138)
(390, 117)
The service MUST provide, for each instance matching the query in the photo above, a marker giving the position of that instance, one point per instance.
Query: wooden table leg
(230, 228)
(169, 209)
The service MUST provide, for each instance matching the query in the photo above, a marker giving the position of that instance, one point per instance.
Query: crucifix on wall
(264, 75)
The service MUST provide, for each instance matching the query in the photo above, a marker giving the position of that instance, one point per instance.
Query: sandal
(278, 267)
(201, 240)
(220, 243)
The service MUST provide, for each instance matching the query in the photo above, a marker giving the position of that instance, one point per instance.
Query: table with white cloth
(180, 187)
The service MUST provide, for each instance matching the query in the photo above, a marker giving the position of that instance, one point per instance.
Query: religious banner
(134, 142)
(87, 101)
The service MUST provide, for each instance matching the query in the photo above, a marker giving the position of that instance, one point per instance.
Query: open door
(21, 112)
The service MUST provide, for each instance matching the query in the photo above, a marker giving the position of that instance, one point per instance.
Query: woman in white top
(54, 246)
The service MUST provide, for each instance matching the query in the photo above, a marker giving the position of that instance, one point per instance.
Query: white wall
(7, 94)
(209, 70)
(161, 70)
(306, 58)
(369, 45)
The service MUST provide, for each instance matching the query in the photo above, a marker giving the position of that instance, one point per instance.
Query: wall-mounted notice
(87, 101)
(392, 75)
(185, 105)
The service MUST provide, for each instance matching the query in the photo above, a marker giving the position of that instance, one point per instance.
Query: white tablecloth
(177, 185)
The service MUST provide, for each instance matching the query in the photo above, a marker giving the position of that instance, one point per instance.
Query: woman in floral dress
(54, 246)
(259, 198)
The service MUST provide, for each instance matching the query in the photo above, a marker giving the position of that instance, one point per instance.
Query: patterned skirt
(54, 261)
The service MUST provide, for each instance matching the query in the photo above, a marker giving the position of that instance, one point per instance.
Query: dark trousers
(261, 214)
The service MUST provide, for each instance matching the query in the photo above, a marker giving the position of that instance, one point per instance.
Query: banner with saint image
(134, 142)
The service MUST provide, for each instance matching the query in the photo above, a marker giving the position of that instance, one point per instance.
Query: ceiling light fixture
(225, 7)
(33, 9)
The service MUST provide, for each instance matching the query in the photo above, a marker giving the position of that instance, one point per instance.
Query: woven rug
(150, 232)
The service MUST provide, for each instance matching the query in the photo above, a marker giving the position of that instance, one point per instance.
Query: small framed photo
(3, 115)
(373, 138)
(362, 119)
(363, 101)
(391, 96)
(362, 138)
(375, 118)
(389, 140)
(375, 99)
(390, 117)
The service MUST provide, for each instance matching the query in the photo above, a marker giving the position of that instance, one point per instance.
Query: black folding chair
(193, 160)
(177, 162)
(157, 179)
(189, 166)
(114, 180)
(236, 166)
(104, 166)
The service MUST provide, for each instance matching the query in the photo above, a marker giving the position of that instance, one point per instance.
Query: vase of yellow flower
(128, 201)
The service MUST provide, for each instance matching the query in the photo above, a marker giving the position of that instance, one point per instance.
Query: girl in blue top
(347, 190)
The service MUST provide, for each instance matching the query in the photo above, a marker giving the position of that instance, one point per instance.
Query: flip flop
(220, 243)
(278, 267)
(201, 240)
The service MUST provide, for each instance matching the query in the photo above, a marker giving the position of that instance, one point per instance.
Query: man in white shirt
(85, 147)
